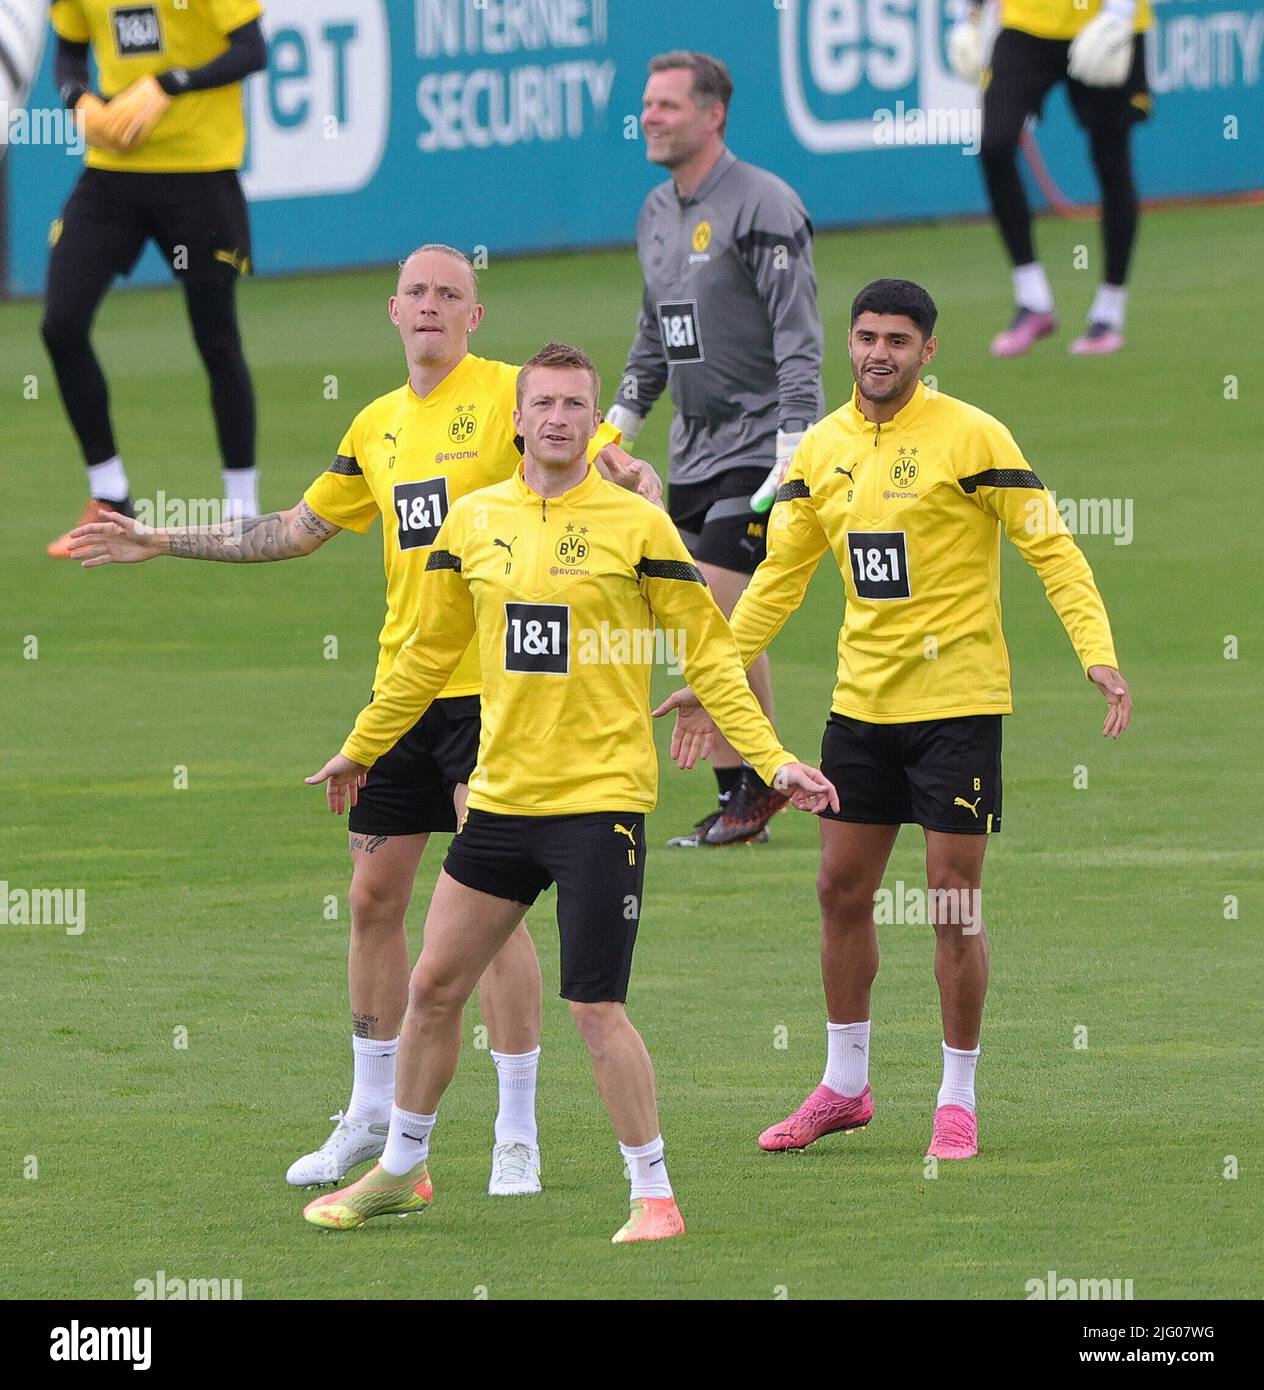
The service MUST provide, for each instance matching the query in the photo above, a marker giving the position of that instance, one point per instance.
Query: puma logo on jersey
(972, 807)
(394, 438)
(505, 545)
(847, 471)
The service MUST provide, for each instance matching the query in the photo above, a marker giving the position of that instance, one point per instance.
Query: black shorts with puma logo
(942, 774)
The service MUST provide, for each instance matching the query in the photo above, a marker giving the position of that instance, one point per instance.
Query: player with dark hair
(911, 490)
(163, 154)
(1098, 48)
(729, 324)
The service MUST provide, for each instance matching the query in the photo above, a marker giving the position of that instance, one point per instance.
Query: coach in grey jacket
(729, 324)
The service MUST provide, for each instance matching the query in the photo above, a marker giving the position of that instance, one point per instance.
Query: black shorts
(409, 790)
(597, 861)
(1023, 71)
(943, 774)
(199, 221)
(715, 520)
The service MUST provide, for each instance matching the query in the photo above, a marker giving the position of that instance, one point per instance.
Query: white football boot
(515, 1170)
(352, 1142)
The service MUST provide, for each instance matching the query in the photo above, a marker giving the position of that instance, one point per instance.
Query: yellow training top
(563, 596)
(913, 510)
(409, 459)
(1060, 19)
(199, 131)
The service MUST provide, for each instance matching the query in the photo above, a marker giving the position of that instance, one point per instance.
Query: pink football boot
(956, 1133)
(1026, 329)
(1097, 340)
(824, 1112)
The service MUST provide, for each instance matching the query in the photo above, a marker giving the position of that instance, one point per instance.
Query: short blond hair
(445, 250)
(558, 355)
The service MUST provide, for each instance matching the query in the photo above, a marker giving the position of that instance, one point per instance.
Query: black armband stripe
(346, 464)
(1000, 477)
(769, 241)
(791, 492)
(668, 569)
(443, 560)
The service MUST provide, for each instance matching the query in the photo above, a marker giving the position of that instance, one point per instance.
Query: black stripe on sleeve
(1000, 477)
(668, 569)
(791, 492)
(443, 560)
(769, 241)
(347, 465)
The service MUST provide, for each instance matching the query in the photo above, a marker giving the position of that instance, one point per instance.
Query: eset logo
(320, 116)
(842, 60)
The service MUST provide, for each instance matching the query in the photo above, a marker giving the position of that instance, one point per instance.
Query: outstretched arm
(122, 540)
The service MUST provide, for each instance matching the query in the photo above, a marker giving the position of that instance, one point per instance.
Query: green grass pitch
(1106, 903)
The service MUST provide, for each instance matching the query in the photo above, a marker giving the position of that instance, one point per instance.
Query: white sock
(846, 1057)
(957, 1087)
(648, 1169)
(1031, 288)
(408, 1143)
(241, 492)
(373, 1088)
(1108, 306)
(516, 1075)
(108, 480)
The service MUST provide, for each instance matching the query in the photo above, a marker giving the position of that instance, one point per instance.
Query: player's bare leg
(853, 860)
(750, 804)
(383, 868)
(625, 1081)
(511, 999)
(954, 875)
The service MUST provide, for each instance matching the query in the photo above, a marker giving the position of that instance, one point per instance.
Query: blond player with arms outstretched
(407, 457)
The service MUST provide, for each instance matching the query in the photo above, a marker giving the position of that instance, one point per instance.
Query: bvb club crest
(702, 236)
(903, 471)
(463, 426)
(571, 550)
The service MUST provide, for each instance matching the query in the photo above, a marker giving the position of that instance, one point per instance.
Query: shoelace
(514, 1162)
(342, 1124)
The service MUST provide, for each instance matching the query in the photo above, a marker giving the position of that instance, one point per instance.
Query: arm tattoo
(277, 536)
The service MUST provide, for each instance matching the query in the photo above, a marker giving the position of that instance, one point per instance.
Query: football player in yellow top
(407, 457)
(910, 490)
(536, 570)
(1098, 47)
(164, 148)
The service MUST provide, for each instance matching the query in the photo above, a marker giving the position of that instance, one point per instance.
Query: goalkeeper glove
(91, 112)
(131, 116)
(787, 442)
(1101, 53)
(965, 45)
(626, 421)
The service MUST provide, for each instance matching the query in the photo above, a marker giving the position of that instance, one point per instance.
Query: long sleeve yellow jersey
(572, 601)
(913, 511)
